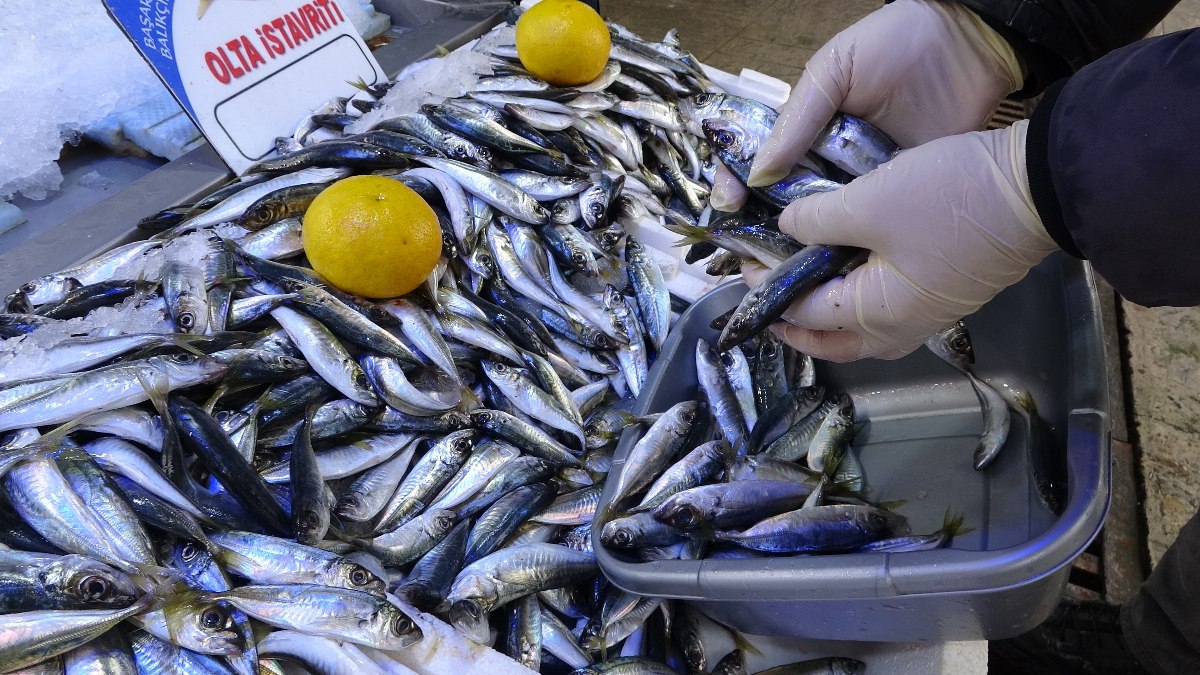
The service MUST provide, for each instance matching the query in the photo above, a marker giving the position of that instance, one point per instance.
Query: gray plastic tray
(922, 423)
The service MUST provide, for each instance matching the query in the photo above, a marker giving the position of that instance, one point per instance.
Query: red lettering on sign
(217, 67)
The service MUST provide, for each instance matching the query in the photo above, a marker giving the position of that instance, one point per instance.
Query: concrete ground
(1160, 348)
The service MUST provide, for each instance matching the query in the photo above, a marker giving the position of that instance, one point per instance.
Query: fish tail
(692, 234)
(187, 342)
(202, 8)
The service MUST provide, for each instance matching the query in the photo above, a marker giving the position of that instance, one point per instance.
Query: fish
(767, 302)
(27, 638)
(356, 617)
(654, 450)
(508, 574)
(41, 581)
(819, 528)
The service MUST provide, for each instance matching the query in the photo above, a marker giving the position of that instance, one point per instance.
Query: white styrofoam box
(751, 84)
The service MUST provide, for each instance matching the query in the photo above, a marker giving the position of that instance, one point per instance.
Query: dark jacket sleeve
(1055, 38)
(1113, 156)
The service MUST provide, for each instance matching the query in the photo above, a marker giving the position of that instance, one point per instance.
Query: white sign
(247, 71)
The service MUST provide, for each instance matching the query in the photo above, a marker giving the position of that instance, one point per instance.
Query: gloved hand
(949, 225)
(917, 69)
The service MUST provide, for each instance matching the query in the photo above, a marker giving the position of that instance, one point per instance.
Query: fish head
(202, 625)
(565, 211)
(593, 202)
(684, 415)
(846, 666)
(721, 134)
(197, 564)
(469, 616)
(687, 510)
(183, 369)
(396, 629)
(461, 444)
(50, 288)
(265, 212)
(698, 108)
(501, 372)
(622, 533)
(18, 302)
(90, 583)
(483, 419)
(348, 574)
(440, 522)
(953, 345)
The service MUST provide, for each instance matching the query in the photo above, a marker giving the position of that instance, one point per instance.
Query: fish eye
(264, 212)
(359, 576)
(500, 367)
(596, 208)
(481, 417)
(737, 321)
(463, 444)
(723, 138)
(622, 538)
(578, 258)
(309, 521)
(959, 343)
(189, 552)
(687, 416)
(361, 380)
(459, 151)
(185, 358)
(703, 99)
(403, 625)
(214, 618)
(877, 521)
(186, 320)
(686, 516)
(445, 522)
(28, 287)
(94, 587)
(222, 415)
(726, 359)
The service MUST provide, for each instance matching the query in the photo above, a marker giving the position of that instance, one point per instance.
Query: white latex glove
(917, 69)
(949, 225)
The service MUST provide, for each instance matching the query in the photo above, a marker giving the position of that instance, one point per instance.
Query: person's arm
(1108, 169)
(1113, 158)
(1055, 38)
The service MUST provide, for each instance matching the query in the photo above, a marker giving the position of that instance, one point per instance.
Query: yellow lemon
(564, 42)
(372, 236)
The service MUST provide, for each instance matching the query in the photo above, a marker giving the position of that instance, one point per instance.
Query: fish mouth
(468, 617)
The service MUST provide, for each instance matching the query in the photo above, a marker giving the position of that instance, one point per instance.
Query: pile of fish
(780, 477)
(267, 469)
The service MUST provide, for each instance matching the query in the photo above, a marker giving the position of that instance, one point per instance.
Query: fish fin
(692, 234)
(202, 7)
(952, 525)
(186, 342)
(217, 394)
(742, 643)
(358, 83)
(442, 51)
(892, 505)
(231, 558)
(52, 438)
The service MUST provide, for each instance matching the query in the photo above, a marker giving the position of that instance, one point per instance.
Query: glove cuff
(990, 42)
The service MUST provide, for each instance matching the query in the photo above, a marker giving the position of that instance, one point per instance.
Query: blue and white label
(248, 71)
